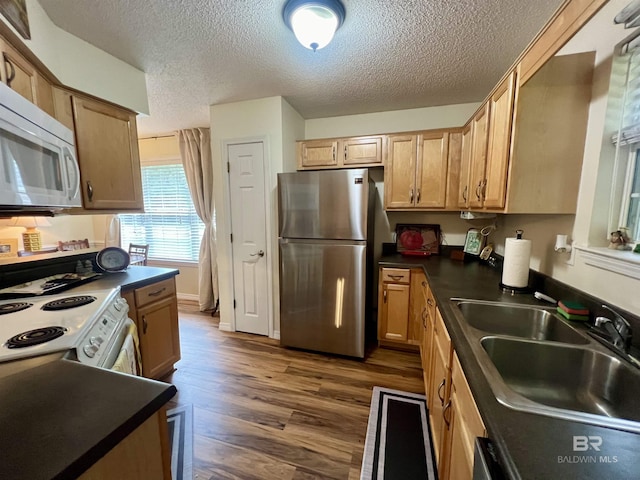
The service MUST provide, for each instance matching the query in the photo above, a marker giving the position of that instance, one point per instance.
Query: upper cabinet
(23, 77)
(419, 168)
(340, 152)
(106, 142)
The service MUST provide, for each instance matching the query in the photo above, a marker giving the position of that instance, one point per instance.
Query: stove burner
(35, 337)
(68, 302)
(14, 307)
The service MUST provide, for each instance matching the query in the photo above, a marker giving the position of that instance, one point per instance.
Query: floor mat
(180, 423)
(398, 442)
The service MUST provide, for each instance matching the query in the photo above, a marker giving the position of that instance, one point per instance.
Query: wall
(80, 65)
(273, 121)
(589, 225)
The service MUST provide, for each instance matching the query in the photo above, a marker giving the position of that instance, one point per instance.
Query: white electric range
(88, 324)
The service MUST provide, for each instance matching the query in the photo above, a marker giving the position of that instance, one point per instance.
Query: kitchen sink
(537, 363)
(565, 378)
(519, 321)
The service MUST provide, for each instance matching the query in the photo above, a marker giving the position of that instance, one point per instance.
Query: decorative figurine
(619, 240)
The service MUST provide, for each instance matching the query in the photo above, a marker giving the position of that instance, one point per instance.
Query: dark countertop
(58, 417)
(133, 277)
(530, 446)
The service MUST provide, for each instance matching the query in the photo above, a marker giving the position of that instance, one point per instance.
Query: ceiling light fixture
(314, 22)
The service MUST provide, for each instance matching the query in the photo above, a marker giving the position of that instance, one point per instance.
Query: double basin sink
(536, 362)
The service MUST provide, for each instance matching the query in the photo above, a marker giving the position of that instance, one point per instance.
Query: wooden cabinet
(340, 152)
(417, 171)
(393, 318)
(464, 188)
(479, 132)
(145, 453)
(401, 307)
(107, 147)
(453, 415)
(463, 423)
(438, 395)
(527, 141)
(155, 311)
(24, 78)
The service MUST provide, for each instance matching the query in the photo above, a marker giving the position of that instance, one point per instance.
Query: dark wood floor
(265, 412)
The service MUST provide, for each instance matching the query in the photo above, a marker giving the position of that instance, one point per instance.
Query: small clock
(112, 259)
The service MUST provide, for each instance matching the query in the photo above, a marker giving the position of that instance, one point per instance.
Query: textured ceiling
(388, 55)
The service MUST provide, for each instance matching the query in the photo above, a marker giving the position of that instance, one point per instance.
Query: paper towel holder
(561, 245)
(513, 290)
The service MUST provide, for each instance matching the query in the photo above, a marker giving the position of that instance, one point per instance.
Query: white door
(249, 238)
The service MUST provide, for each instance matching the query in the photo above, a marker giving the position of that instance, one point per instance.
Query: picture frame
(8, 247)
(15, 11)
(418, 239)
(474, 242)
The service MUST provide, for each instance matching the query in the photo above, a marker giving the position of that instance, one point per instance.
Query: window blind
(170, 224)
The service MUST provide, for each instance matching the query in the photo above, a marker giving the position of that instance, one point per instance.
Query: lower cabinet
(400, 307)
(154, 308)
(453, 415)
(143, 454)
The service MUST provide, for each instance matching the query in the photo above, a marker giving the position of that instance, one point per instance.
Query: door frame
(269, 186)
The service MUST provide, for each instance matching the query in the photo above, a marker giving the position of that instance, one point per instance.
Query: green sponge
(572, 316)
(573, 307)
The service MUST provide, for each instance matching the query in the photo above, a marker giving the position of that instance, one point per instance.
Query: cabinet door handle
(424, 317)
(430, 302)
(464, 193)
(144, 324)
(444, 380)
(418, 197)
(424, 284)
(444, 414)
(478, 188)
(157, 292)
(89, 190)
(334, 153)
(483, 189)
(384, 296)
(345, 153)
(11, 72)
(411, 195)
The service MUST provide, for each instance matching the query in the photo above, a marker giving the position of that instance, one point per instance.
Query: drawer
(155, 291)
(396, 275)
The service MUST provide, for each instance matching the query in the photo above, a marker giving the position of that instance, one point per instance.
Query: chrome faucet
(618, 328)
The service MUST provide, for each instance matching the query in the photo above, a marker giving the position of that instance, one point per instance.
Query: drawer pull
(424, 284)
(444, 414)
(144, 324)
(430, 302)
(397, 277)
(439, 389)
(155, 293)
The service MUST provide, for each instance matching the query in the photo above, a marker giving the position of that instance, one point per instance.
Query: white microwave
(38, 164)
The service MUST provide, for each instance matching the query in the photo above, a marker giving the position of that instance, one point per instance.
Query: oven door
(124, 353)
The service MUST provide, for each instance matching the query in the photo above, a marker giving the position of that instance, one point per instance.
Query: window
(170, 224)
(625, 85)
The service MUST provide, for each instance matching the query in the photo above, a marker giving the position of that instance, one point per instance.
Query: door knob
(260, 253)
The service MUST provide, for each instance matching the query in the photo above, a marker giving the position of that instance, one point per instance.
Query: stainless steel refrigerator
(325, 234)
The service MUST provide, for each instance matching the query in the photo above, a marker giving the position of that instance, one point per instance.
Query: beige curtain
(195, 150)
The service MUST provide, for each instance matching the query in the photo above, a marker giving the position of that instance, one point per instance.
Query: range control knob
(96, 341)
(90, 350)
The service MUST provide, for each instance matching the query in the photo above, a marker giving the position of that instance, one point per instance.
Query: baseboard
(188, 297)
(225, 327)
(276, 335)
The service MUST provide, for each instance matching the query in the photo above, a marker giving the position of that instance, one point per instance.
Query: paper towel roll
(515, 272)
